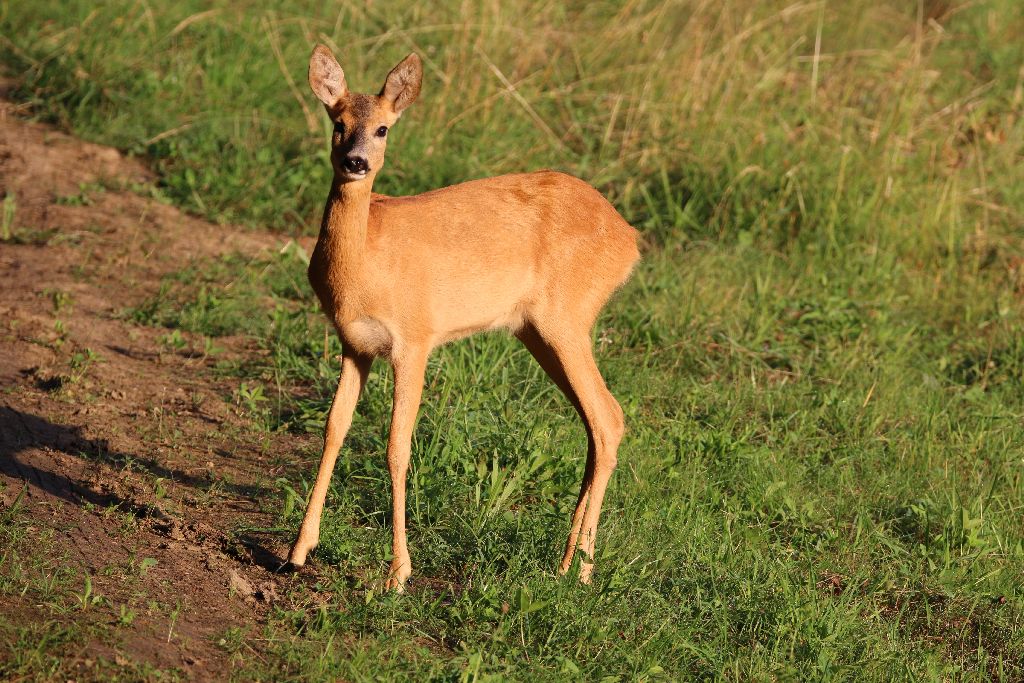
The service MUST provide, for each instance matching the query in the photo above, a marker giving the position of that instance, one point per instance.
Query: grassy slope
(821, 357)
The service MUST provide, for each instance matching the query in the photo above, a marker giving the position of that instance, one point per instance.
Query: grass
(820, 358)
(47, 623)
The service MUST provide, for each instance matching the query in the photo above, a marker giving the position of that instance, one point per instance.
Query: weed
(173, 340)
(84, 196)
(233, 639)
(126, 617)
(60, 299)
(87, 599)
(80, 363)
(250, 398)
(293, 501)
(7, 219)
(145, 564)
(175, 613)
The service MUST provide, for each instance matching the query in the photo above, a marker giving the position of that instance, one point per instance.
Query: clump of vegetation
(820, 356)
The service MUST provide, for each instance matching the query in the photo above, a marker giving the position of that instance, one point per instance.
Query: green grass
(821, 357)
(51, 614)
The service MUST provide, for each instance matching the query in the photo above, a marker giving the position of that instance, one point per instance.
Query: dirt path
(117, 449)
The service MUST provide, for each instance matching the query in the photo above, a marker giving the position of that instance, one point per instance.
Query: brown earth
(140, 452)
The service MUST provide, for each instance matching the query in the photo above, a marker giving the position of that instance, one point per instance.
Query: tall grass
(815, 123)
(821, 356)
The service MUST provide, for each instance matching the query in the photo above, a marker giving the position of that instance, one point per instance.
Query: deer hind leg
(353, 377)
(409, 368)
(569, 361)
(548, 360)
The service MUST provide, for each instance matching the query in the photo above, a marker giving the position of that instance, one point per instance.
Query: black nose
(356, 165)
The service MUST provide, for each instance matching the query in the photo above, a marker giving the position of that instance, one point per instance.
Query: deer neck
(342, 240)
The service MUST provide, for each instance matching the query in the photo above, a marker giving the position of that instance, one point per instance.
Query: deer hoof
(397, 577)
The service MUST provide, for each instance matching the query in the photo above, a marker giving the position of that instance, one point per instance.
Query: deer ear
(326, 78)
(403, 83)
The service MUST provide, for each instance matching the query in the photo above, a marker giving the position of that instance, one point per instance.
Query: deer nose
(356, 165)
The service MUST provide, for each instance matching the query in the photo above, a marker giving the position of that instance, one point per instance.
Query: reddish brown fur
(538, 254)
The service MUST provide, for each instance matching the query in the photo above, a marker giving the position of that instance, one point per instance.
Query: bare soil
(139, 453)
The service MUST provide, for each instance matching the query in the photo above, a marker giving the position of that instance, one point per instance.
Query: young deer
(538, 254)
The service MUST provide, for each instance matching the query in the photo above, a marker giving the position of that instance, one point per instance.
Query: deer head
(361, 122)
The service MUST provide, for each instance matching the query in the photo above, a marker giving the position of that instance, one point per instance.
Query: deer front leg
(409, 368)
(353, 377)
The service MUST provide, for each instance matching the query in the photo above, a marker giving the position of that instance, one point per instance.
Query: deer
(537, 254)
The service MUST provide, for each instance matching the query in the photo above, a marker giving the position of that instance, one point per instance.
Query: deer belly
(464, 313)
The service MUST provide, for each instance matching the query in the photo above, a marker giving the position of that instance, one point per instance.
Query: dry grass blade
(193, 19)
(522, 101)
(312, 121)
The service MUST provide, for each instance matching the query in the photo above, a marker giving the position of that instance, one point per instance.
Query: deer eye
(382, 131)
